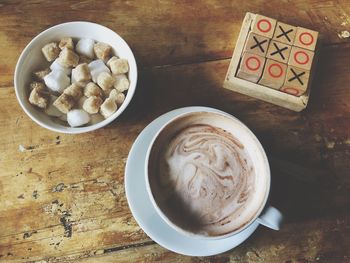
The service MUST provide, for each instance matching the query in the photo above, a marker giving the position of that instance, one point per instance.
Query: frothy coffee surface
(203, 179)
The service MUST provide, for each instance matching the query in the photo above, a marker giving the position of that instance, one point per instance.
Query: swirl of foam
(209, 170)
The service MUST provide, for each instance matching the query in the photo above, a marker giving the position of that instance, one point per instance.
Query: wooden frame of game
(277, 97)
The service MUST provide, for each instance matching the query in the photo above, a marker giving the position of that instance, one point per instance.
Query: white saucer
(146, 216)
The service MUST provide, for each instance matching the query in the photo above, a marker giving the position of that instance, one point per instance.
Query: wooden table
(62, 196)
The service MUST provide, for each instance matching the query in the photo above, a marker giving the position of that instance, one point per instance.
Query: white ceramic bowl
(32, 59)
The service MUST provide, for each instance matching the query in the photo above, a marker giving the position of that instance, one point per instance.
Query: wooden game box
(256, 90)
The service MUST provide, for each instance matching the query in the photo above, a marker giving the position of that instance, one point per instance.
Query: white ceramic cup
(265, 215)
(32, 59)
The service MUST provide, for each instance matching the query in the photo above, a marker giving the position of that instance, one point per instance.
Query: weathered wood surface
(62, 197)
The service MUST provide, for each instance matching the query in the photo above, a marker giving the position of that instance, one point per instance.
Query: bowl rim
(72, 130)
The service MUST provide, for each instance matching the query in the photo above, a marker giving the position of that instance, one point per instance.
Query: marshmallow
(81, 73)
(57, 66)
(102, 50)
(68, 58)
(96, 67)
(95, 118)
(77, 118)
(108, 107)
(121, 83)
(92, 104)
(85, 46)
(38, 98)
(57, 81)
(74, 91)
(105, 81)
(39, 75)
(52, 110)
(66, 42)
(51, 51)
(91, 89)
(118, 97)
(64, 103)
(119, 66)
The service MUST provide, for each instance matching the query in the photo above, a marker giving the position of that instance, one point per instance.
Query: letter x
(296, 76)
(284, 33)
(258, 44)
(279, 51)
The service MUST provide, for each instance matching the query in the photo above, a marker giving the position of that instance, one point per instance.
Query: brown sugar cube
(68, 58)
(305, 38)
(256, 44)
(119, 66)
(279, 51)
(105, 81)
(51, 51)
(39, 75)
(92, 104)
(264, 26)
(66, 42)
(284, 33)
(296, 81)
(274, 74)
(75, 91)
(81, 73)
(38, 98)
(84, 59)
(121, 83)
(110, 60)
(91, 89)
(37, 85)
(301, 58)
(251, 67)
(118, 97)
(102, 50)
(108, 107)
(64, 103)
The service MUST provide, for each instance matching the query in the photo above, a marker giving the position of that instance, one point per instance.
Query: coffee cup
(208, 176)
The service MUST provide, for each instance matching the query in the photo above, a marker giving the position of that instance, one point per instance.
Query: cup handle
(271, 218)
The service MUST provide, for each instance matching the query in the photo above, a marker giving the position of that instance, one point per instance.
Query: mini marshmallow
(121, 83)
(118, 97)
(52, 110)
(85, 46)
(81, 73)
(96, 67)
(51, 51)
(92, 104)
(57, 66)
(38, 98)
(38, 85)
(77, 118)
(102, 50)
(66, 42)
(39, 75)
(105, 81)
(68, 58)
(91, 89)
(64, 103)
(57, 81)
(74, 91)
(108, 107)
(95, 118)
(119, 66)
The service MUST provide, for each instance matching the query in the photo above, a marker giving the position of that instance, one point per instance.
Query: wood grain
(62, 197)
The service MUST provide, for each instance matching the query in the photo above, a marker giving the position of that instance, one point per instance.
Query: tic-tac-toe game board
(273, 61)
